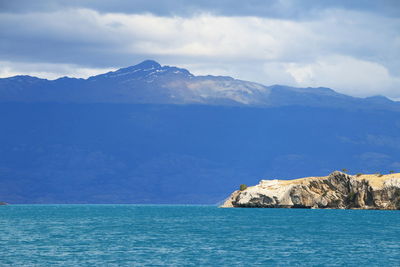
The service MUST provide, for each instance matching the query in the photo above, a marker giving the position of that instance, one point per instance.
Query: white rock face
(267, 192)
(338, 190)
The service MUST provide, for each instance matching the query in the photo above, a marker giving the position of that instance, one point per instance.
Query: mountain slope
(149, 82)
(146, 153)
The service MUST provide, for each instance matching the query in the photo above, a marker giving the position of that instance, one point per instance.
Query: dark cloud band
(290, 9)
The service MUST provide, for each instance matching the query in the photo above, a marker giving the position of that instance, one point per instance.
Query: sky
(350, 46)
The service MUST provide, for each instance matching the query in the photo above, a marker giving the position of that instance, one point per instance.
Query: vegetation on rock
(242, 187)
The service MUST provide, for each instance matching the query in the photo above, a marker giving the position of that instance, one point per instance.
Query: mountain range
(158, 134)
(149, 82)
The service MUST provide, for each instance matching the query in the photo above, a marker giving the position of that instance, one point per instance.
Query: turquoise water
(141, 235)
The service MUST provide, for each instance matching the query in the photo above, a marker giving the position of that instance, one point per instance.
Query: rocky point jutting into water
(336, 191)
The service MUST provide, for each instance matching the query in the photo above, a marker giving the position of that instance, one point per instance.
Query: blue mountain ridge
(158, 134)
(149, 82)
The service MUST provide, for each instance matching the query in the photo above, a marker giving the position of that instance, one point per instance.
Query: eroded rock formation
(336, 191)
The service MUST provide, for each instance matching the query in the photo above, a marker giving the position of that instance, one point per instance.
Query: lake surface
(143, 235)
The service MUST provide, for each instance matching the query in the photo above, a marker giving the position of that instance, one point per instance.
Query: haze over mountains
(158, 134)
(149, 82)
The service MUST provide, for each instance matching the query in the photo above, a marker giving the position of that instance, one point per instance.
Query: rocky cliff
(336, 191)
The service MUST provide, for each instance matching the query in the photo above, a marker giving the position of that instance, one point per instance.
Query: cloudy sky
(350, 46)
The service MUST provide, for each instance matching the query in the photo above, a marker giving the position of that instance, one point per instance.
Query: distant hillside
(147, 153)
(149, 82)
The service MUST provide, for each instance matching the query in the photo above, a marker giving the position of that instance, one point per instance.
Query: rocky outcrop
(3, 203)
(336, 191)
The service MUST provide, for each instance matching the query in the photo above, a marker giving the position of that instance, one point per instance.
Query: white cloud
(347, 75)
(47, 70)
